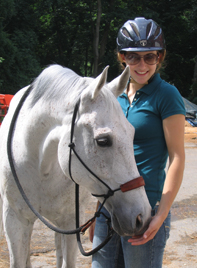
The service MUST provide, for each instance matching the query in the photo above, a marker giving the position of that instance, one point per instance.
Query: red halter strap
(133, 184)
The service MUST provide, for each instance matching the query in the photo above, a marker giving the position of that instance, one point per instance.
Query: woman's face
(140, 70)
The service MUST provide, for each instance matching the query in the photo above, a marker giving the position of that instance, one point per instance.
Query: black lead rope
(10, 158)
(97, 214)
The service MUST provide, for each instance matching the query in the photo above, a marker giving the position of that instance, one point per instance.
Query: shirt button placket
(135, 98)
(133, 102)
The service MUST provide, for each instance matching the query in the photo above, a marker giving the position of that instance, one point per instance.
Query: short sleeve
(170, 101)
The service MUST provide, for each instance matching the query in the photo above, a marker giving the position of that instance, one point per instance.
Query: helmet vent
(148, 28)
(125, 32)
(135, 29)
(157, 32)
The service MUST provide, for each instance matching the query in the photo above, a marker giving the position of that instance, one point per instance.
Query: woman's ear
(123, 57)
(160, 58)
(123, 60)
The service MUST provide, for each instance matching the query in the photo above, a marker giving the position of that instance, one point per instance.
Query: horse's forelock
(57, 82)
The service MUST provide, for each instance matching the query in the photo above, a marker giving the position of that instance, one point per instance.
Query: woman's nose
(142, 62)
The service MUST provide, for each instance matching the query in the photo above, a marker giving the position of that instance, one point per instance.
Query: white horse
(103, 139)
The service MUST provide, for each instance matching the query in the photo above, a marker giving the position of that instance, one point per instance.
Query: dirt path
(181, 250)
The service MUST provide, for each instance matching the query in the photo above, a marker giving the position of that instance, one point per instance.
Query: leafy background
(82, 35)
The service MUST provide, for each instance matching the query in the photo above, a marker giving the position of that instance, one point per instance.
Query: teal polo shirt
(151, 105)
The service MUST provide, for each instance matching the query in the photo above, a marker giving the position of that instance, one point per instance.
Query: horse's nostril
(139, 221)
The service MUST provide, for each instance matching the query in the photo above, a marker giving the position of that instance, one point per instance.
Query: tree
(18, 41)
(81, 35)
(193, 32)
(193, 95)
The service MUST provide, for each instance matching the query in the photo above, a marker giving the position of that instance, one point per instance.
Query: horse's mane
(57, 82)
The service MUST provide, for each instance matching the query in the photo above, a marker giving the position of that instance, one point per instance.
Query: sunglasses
(133, 59)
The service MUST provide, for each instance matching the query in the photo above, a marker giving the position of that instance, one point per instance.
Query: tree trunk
(195, 72)
(103, 46)
(100, 51)
(96, 38)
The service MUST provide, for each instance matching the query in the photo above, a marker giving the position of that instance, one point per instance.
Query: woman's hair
(162, 55)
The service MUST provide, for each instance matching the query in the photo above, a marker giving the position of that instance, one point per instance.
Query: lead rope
(97, 214)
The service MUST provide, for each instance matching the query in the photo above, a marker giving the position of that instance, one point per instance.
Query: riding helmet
(140, 34)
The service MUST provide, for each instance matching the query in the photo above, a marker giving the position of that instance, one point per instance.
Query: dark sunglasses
(133, 59)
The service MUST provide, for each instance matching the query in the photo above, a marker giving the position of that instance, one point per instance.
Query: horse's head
(103, 139)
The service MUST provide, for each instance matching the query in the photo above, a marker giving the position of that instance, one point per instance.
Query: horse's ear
(99, 82)
(118, 85)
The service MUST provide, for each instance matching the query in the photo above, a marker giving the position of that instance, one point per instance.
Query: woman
(156, 110)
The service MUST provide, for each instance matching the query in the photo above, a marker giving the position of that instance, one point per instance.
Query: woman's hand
(153, 228)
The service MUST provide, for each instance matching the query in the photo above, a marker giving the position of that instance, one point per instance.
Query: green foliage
(1, 81)
(18, 41)
(36, 33)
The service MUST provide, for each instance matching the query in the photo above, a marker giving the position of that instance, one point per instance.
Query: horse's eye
(104, 142)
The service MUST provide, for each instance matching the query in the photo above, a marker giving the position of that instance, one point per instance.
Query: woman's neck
(132, 88)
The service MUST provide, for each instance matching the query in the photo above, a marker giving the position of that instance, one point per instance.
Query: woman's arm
(174, 134)
(173, 127)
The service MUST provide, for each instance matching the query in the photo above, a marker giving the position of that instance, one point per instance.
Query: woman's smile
(141, 73)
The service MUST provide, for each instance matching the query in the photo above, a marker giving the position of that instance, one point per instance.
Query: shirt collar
(149, 88)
